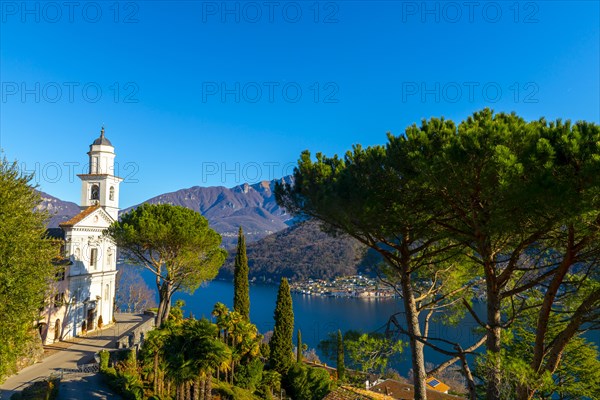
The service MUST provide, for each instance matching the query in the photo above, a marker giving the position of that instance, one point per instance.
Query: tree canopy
(26, 268)
(506, 208)
(282, 348)
(173, 242)
(241, 286)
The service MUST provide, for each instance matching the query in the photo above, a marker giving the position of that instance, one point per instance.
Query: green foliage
(241, 286)
(249, 376)
(577, 377)
(26, 268)
(176, 312)
(373, 351)
(496, 203)
(265, 350)
(271, 382)
(368, 352)
(104, 358)
(307, 383)
(227, 391)
(281, 342)
(175, 243)
(125, 377)
(341, 369)
(299, 346)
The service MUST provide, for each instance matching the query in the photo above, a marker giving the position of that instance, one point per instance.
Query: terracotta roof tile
(80, 216)
(403, 391)
(436, 384)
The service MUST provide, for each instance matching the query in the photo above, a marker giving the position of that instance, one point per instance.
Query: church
(83, 297)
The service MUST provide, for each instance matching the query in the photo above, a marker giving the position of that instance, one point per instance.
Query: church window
(95, 193)
(111, 193)
(96, 165)
(106, 292)
(94, 258)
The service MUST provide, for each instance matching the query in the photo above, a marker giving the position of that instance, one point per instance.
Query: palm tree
(153, 351)
(221, 312)
(207, 354)
(180, 367)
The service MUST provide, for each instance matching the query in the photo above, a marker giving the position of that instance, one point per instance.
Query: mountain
(277, 246)
(251, 206)
(303, 251)
(58, 209)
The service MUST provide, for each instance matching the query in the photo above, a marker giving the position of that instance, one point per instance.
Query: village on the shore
(354, 286)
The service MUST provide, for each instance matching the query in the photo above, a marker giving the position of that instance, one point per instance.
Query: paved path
(86, 387)
(80, 351)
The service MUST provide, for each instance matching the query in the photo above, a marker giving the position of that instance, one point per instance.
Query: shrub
(307, 383)
(104, 358)
(249, 376)
(227, 392)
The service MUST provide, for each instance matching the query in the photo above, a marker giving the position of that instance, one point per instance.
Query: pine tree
(241, 296)
(299, 347)
(341, 369)
(282, 348)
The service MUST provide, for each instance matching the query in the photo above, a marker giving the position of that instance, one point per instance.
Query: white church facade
(84, 295)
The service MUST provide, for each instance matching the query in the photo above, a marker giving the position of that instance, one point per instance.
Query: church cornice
(85, 177)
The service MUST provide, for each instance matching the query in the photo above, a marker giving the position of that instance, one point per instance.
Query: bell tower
(100, 186)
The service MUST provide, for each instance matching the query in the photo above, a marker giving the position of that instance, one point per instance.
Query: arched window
(111, 193)
(95, 193)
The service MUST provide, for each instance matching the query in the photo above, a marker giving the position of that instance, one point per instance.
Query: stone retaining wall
(137, 336)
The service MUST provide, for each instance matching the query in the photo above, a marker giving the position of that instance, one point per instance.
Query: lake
(317, 316)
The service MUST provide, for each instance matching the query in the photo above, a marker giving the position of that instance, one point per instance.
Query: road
(71, 354)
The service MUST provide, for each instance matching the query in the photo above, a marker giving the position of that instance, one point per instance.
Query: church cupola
(100, 186)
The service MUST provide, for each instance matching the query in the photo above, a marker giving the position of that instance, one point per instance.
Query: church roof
(102, 140)
(80, 216)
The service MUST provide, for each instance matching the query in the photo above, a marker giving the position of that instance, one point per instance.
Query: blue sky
(218, 93)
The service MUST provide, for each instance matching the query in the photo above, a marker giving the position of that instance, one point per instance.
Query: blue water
(317, 316)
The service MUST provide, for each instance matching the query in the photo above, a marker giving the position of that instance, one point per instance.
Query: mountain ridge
(252, 206)
(278, 244)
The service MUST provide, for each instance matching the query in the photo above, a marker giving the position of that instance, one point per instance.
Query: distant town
(355, 286)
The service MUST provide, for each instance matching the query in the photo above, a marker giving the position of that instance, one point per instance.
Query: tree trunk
(232, 370)
(414, 330)
(164, 305)
(468, 375)
(493, 344)
(199, 387)
(539, 349)
(208, 391)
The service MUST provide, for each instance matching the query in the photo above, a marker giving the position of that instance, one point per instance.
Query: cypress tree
(281, 344)
(341, 369)
(241, 295)
(299, 347)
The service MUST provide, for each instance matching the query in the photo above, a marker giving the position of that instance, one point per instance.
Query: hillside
(276, 246)
(300, 252)
(58, 209)
(251, 206)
